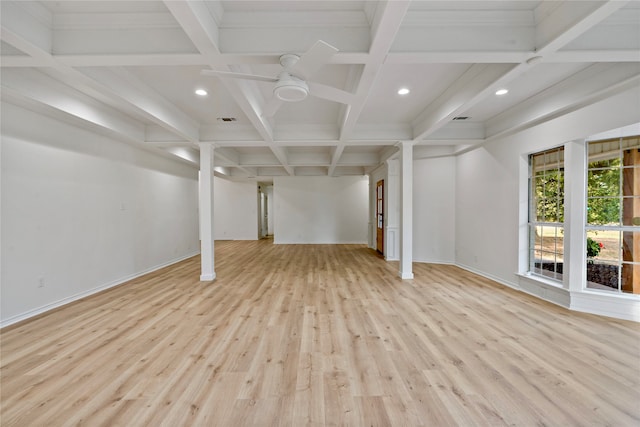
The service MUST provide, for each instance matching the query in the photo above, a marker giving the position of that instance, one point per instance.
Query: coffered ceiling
(129, 69)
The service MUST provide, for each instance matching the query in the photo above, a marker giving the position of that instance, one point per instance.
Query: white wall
(235, 210)
(490, 197)
(434, 210)
(82, 212)
(321, 209)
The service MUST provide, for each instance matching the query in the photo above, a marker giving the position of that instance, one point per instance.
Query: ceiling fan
(292, 83)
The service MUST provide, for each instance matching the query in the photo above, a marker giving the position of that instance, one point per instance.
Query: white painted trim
(547, 290)
(619, 306)
(392, 243)
(47, 307)
(529, 285)
(434, 261)
(488, 276)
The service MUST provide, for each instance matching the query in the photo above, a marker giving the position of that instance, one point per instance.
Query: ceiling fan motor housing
(290, 89)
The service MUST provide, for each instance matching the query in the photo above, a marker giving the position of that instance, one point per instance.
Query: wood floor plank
(317, 335)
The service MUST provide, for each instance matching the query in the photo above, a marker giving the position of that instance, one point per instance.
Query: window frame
(533, 224)
(619, 226)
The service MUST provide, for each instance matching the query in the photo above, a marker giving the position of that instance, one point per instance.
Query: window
(613, 215)
(546, 213)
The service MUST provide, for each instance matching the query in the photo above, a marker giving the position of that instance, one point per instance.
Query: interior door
(380, 216)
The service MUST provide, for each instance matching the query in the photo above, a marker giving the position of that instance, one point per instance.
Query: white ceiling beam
(388, 152)
(201, 28)
(67, 105)
(186, 153)
(168, 59)
(196, 21)
(186, 59)
(231, 158)
(315, 158)
(552, 33)
(351, 170)
(448, 142)
(111, 94)
(36, 86)
(301, 143)
(258, 159)
(27, 27)
(510, 57)
(133, 91)
(586, 56)
(307, 132)
(570, 20)
(387, 22)
(229, 154)
(281, 155)
(475, 84)
(335, 158)
(588, 86)
(359, 159)
(463, 57)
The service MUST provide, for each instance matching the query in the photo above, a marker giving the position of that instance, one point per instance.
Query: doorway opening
(380, 216)
(265, 209)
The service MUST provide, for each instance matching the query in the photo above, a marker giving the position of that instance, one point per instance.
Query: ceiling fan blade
(272, 106)
(238, 75)
(330, 93)
(319, 55)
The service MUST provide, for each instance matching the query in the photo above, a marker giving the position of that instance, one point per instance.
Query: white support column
(392, 210)
(575, 165)
(406, 210)
(206, 213)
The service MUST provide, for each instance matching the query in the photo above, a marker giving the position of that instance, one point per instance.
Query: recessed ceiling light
(403, 91)
(201, 92)
(500, 92)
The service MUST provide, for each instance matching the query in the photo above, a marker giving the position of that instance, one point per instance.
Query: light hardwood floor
(317, 335)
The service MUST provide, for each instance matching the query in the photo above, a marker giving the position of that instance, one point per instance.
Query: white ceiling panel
(129, 69)
(425, 82)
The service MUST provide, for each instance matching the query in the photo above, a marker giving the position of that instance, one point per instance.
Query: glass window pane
(603, 182)
(603, 211)
(604, 154)
(603, 245)
(546, 204)
(613, 199)
(602, 276)
(538, 197)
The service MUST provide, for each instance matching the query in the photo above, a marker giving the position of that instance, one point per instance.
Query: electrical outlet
(41, 282)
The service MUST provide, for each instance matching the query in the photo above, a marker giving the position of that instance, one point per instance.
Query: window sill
(611, 294)
(603, 303)
(541, 279)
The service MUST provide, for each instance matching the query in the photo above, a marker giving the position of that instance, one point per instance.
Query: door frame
(380, 216)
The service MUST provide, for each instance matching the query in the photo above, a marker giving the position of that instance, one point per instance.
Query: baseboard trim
(539, 290)
(624, 307)
(64, 301)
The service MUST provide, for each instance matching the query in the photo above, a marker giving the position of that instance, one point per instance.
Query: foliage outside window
(546, 213)
(613, 215)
